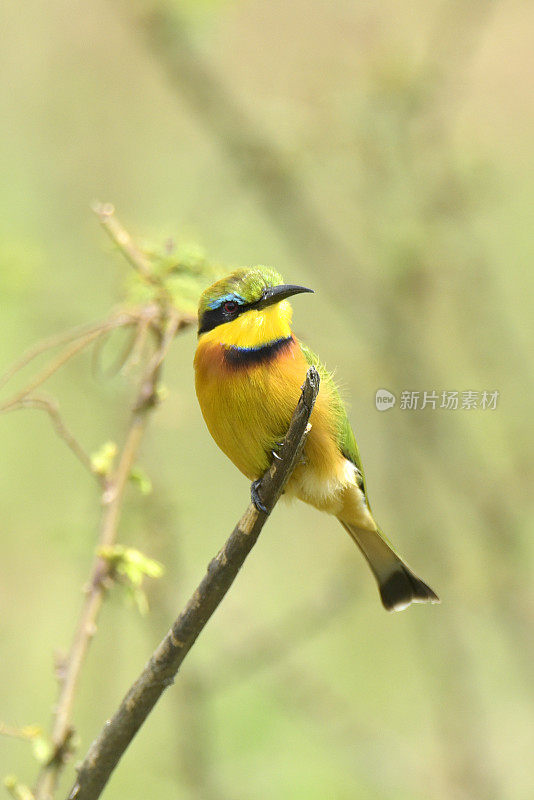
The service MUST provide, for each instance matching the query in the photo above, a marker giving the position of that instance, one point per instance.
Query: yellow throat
(253, 328)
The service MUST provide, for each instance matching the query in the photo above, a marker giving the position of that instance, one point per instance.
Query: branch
(112, 498)
(106, 216)
(107, 750)
(79, 344)
(80, 332)
(51, 407)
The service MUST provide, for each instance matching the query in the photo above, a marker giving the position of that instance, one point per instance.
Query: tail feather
(397, 584)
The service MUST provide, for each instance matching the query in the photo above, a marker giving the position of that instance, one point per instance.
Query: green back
(345, 436)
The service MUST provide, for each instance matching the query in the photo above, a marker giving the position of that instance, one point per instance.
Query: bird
(249, 368)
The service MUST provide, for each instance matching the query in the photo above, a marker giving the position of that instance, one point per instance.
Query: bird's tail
(398, 585)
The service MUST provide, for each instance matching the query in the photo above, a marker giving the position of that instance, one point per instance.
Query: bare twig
(106, 216)
(51, 407)
(120, 357)
(56, 364)
(159, 673)
(135, 353)
(112, 499)
(81, 332)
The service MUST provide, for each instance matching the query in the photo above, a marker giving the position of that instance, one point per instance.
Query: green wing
(345, 436)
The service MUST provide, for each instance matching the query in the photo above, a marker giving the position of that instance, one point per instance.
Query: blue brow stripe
(225, 299)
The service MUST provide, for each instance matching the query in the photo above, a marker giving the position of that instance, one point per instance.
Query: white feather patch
(325, 493)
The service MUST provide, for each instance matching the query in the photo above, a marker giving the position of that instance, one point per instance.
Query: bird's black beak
(274, 294)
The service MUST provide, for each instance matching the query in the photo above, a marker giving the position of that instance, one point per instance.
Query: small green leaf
(18, 790)
(102, 460)
(142, 563)
(43, 749)
(139, 477)
(179, 271)
(31, 731)
(162, 392)
(130, 567)
(140, 599)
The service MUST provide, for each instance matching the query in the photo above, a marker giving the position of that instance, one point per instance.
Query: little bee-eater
(249, 369)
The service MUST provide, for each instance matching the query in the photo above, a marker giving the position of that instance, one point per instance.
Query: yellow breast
(247, 403)
(248, 409)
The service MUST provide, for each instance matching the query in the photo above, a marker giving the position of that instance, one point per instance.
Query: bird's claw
(274, 452)
(254, 494)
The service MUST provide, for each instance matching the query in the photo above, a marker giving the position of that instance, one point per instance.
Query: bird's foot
(276, 448)
(255, 496)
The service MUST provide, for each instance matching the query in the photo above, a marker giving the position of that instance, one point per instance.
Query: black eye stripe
(218, 316)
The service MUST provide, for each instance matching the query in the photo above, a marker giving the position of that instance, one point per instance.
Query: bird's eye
(230, 306)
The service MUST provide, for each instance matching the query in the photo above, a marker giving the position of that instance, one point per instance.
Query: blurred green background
(382, 154)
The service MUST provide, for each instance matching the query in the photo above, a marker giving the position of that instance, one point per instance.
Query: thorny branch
(117, 733)
(161, 320)
(112, 500)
